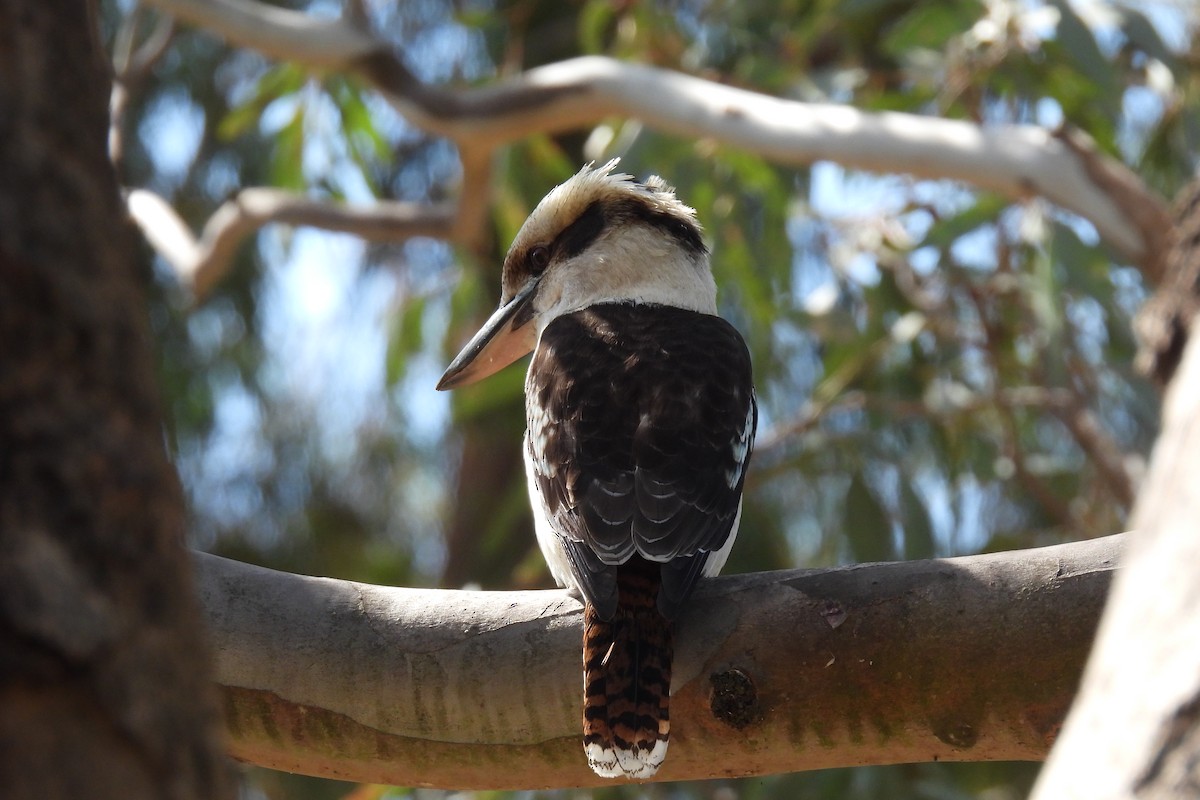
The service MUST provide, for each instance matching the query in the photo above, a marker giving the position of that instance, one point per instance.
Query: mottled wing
(641, 423)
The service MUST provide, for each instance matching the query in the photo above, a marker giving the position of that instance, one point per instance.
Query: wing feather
(644, 420)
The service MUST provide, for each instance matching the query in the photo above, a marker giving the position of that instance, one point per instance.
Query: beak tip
(503, 339)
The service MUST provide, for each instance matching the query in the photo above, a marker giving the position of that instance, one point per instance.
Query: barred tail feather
(627, 681)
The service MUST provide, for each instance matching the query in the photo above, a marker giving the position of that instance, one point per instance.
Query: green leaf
(277, 82)
(945, 232)
(1144, 35)
(1085, 268)
(1080, 46)
(916, 523)
(405, 339)
(238, 120)
(594, 23)
(867, 525)
(366, 146)
(287, 157)
(929, 26)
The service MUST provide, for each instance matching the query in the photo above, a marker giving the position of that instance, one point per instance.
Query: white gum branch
(199, 262)
(1017, 161)
(962, 659)
(279, 33)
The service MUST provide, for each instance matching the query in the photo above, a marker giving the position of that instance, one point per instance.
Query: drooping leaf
(982, 212)
(287, 156)
(916, 524)
(867, 524)
(278, 81)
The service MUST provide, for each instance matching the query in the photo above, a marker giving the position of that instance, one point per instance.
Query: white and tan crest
(599, 184)
(648, 250)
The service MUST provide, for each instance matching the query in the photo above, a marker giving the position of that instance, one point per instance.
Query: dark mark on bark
(734, 700)
(388, 73)
(960, 736)
(834, 613)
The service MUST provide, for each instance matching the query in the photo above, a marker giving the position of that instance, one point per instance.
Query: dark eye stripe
(577, 236)
(588, 226)
(686, 233)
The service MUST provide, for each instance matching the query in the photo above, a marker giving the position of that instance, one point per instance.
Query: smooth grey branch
(972, 658)
(1017, 161)
(200, 262)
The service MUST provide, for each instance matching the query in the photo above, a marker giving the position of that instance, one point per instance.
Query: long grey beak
(506, 336)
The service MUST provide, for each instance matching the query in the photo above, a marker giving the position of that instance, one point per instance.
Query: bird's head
(599, 237)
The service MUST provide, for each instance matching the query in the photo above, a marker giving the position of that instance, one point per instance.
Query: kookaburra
(641, 417)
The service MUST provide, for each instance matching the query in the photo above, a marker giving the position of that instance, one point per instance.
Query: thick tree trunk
(104, 686)
(1135, 729)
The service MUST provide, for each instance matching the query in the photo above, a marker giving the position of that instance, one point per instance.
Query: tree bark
(964, 659)
(104, 685)
(1135, 731)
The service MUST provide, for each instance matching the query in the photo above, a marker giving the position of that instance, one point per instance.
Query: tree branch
(1014, 160)
(1102, 451)
(279, 33)
(131, 64)
(972, 658)
(200, 263)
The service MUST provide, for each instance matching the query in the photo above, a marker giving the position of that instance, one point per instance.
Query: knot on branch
(959, 735)
(734, 698)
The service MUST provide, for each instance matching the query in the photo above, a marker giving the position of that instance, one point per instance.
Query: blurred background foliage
(940, 371)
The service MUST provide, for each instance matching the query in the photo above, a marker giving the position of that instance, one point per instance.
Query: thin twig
(1102, 451)
(131, 64)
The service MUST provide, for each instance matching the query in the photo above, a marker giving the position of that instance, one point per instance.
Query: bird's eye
(539, 259)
